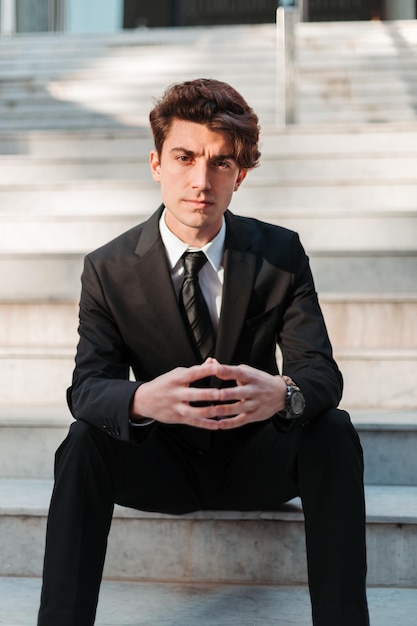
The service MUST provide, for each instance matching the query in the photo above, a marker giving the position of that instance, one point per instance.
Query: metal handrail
(7, 17)
(288, 16)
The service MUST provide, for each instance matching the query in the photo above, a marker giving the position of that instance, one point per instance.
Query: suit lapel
(157, 292)
(239, 273)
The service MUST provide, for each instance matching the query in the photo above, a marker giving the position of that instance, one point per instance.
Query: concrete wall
(94, 16)
(400, 9)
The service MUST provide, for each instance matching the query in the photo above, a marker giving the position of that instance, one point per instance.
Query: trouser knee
(333, 425)
(331, 438)
(83, 445)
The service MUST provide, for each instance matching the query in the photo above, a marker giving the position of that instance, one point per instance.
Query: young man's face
(198, 176)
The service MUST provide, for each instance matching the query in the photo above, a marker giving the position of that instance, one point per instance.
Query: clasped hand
(170, 398)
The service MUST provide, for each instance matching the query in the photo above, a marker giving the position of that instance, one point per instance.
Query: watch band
(292, 389)
(289, 382)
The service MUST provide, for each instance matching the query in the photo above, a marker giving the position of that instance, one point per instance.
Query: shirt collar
(175, 247)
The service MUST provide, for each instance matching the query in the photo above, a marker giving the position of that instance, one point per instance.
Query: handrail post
(7, 17)
(56, 15)
(286, 105)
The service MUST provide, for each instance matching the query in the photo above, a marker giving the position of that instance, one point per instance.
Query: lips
(199, 201)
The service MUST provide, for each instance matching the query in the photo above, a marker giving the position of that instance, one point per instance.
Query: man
(208, 423)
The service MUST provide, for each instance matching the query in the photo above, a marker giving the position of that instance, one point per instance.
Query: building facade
(104, 16)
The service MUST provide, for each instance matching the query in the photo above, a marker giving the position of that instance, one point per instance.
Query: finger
(237, 421)
(207, 424)
(196, 372)
(240, 392)
(200, 417)
(190, 412)
(200, 394)
(229, 409)
(211, 359)
(240, 373)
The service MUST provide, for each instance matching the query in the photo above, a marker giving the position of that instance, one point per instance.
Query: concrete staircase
(358, 71)
(73, 173)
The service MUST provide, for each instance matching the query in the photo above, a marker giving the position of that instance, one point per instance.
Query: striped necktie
(193, 304)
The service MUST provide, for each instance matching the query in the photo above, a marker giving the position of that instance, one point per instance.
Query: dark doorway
(197, 12)
(345, 10)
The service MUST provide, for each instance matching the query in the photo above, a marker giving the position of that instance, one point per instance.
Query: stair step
(106, 195)
(121, 142)
(41, 277)
(370, 114)
(57, 276)
(46, 372)
(365, 374)
(273, 169)
(39, 324)
(213, 539)
(369, 320)
(38, 376)
(373, 141)
(320, 232)
(35, 430)
(389, 440)
(378, 273)
(60, 117)
(207, 604)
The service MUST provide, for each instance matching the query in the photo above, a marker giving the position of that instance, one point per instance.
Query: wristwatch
(294, 400)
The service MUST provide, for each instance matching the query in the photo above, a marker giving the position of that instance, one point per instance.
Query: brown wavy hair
(215, 104)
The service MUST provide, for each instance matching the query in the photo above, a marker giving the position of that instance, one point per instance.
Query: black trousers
(178, 470)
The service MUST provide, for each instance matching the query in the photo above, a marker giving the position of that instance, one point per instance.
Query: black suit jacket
(130, 320)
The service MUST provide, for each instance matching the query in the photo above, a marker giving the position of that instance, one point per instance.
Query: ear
(155, 165)
(240, 178)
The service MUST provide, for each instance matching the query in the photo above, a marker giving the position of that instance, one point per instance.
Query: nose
(201, 176)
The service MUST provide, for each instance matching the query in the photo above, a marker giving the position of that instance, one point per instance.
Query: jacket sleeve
(101, 392)
(304, 341)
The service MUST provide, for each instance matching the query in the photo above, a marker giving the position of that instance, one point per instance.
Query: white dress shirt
(211, 275)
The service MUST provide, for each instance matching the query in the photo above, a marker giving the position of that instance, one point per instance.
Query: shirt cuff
(144, 421)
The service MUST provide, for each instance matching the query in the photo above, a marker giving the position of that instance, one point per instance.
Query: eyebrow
(191, 153)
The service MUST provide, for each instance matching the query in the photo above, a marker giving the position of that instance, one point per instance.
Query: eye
(222, 164)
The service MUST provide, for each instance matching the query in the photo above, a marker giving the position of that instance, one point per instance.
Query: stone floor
(163, 604)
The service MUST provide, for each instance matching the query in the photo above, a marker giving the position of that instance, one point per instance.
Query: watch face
(297, 403)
